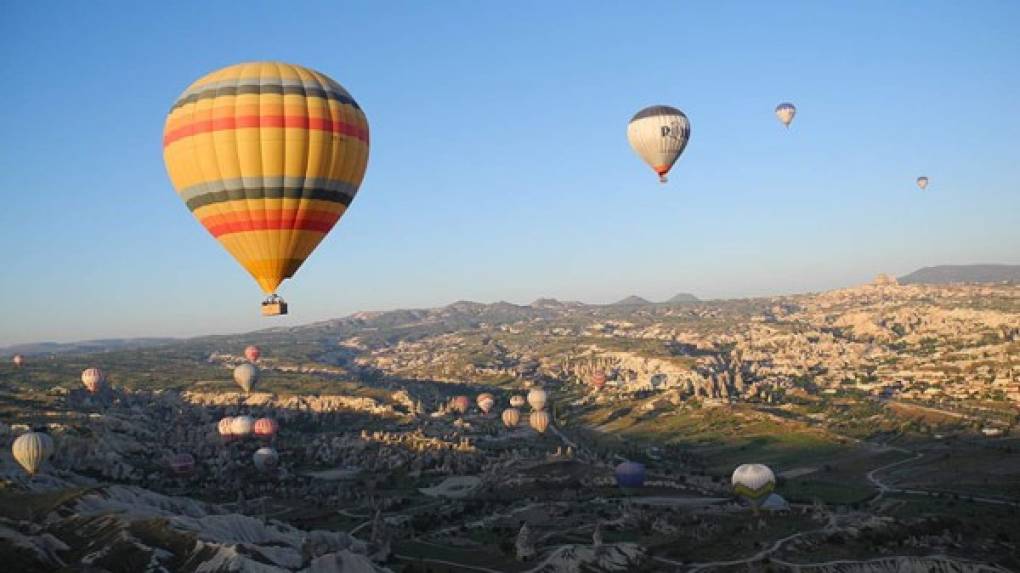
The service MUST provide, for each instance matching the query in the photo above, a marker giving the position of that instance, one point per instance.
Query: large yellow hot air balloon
(267, 156)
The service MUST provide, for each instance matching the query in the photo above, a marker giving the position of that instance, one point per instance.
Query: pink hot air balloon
(252, 353)
(93, 379)
(461, 404)
(598, 380)
(182, 464)
(266, 427)
(18, 360)
(486, 401)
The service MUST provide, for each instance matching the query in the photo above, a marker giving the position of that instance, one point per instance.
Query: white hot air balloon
(246, 376)
(785, 112)
(92, 379)
(659, 135)
(537, 398)
(516, 401)
(922, 182)
(753, 482)
(539, 421)
(242, 426)
(511, 417)
(265, 458)
(225, 427)
(31, 449)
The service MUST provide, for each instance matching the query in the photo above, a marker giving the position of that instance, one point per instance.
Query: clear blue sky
(499, 165)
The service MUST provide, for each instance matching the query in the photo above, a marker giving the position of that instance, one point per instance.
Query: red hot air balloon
(93, 379)
(266, 427)
(598, 380)
(252, 353)
(461, 404)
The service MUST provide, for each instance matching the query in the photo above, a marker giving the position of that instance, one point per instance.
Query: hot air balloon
(93, 379)
(265, 459)
(922, 182)
(18, 360)
(182, 464)
(785, 112)
(460, 404)
(511, 417)
(242, 426)
(598, 379)
(516, 401)
(537, 398)
(267, 156)
(224, 427)
(266, 427)
(753, 482)
(539, 421)
(485, 402)
(31, 449)
(630, 475)
(659, 135)
(246, 376)
(252, 353)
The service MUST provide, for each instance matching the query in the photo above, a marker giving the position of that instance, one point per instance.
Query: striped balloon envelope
(266, 427)
(267, 156)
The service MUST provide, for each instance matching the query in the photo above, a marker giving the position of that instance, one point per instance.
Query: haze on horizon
(499, 167)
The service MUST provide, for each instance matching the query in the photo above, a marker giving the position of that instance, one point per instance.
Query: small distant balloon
(659, 134)
(266, 427)
(224, 427)
(922, 182)
(265, 459)
(537, 398)
(92, 379)
(461, 404)
(31, 450)
(246, 376)
(485, 402)
(242, 426)
(598, 379)
(539, 421)
(511, 417)
(785, 112)
(252, 353)
(630, 474)
(516, 401)
(753, 482)
(18, 360)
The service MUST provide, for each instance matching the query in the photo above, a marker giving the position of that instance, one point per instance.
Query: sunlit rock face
(616, 557)
(118, 526)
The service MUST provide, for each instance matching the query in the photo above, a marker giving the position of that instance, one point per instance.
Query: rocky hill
(944, 274)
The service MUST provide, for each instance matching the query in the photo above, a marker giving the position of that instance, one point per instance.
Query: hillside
(682, 298)
(632, 301)
(944, 274)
